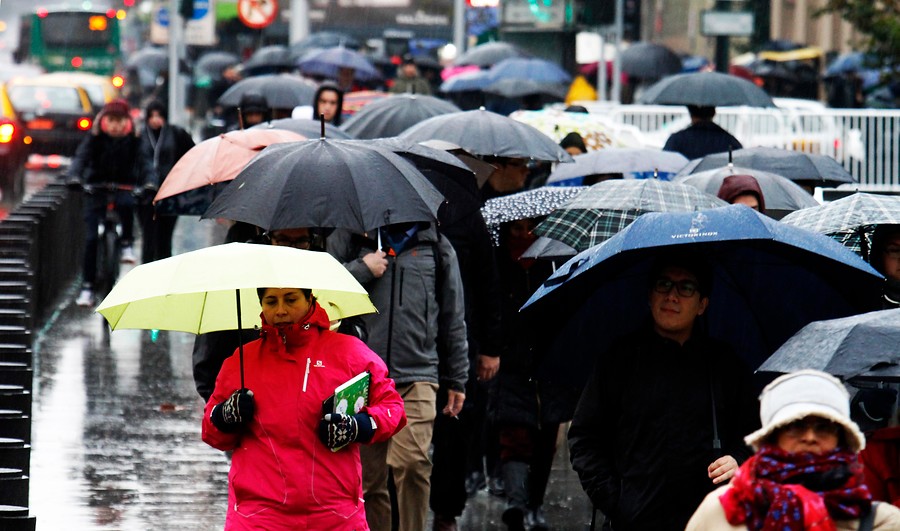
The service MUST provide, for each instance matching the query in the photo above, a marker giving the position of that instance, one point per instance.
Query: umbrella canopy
(195, 291)
(706, 89)
(269, 60)
(328, 62)
(467, 81)
(209, 66)
(306, 127)
(489, 54)
(327, 183)
(548, 249)
(850, 220)
(598, 131)
(619, 160)
(323, 40)
(529, 204)
(861, 345)
(149, 58)
(648, 60)
(769, 280)
(215, 160)
(519, 88)
(282, 91)
(607, 207)
(482, 132)
(529, 69)
(355, 101)
(807, 168)
(781, 194)
(391, 116)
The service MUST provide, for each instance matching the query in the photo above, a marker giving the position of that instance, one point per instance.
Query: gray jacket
(421, 323)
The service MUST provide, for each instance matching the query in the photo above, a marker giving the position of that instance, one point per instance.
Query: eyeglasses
(685, 288)
(892, 251)
(818, 425)
(302, 242)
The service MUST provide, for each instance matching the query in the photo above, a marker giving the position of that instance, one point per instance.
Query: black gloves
(234, 412)
(337, 430)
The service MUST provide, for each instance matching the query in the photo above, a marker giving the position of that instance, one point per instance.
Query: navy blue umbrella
(769, 280)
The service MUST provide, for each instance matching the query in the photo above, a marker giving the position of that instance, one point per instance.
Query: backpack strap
(867, 522)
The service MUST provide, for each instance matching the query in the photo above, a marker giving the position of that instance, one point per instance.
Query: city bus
(68, 39)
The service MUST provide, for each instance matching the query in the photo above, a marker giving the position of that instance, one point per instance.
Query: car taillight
(84, 124)
(54, 161)
(7, 132)
(118, 81)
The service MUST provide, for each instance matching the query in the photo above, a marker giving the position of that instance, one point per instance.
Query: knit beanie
(801, 394)
(117, 107)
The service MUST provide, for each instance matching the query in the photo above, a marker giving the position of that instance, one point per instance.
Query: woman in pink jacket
(294, 466)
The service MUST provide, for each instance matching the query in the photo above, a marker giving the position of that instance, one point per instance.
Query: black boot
(515, 477)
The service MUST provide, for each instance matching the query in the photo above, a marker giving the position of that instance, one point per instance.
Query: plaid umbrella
(610, 206)
(850, 220)
(525, 205)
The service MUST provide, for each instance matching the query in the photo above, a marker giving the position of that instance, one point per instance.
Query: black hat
(253, 102)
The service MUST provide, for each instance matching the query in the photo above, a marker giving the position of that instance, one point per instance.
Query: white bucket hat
(800, 394)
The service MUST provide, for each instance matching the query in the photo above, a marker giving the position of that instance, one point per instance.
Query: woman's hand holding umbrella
(234, 412)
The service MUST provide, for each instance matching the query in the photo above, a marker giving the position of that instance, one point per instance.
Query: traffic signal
(186, 9)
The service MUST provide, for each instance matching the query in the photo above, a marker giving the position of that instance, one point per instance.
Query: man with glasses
(661, 421)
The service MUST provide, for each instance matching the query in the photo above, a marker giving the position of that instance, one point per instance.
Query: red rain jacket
(282, 476)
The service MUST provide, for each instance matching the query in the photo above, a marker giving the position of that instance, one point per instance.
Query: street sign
(257, 14)
(199, 31)
(726, 23)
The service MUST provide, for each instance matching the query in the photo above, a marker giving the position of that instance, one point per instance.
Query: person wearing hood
(743, 190)
(885, 258)
(329, 102)
(253, 109)
(163, 143)
(295, 465)
(805, 474)
(110, 154)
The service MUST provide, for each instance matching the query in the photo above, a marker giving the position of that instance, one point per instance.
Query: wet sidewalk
(116, 432)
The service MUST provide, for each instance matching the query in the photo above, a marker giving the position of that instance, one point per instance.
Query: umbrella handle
(237, 298)
(322, 123)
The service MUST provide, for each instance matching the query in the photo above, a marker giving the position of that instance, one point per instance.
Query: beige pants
(407, 456)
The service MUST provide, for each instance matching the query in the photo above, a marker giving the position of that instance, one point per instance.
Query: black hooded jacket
(336, 121)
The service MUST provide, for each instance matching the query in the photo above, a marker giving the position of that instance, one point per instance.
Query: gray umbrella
(305, 126)
(392, 115)
(619, 160)
(519, 88)
(525, 205)
(805, 168)
(282, 91)
(482, 132)
(706, 89)
(858, 346)
(489, 54)
(548, 249)
(648, 60)
(850, 220)
(781, 194)
(327, 183)
(269, 60)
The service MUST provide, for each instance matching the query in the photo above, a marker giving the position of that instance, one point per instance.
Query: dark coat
(521, 397)
(101, 158)
(701, 139)
(641, 438)
(164, 148)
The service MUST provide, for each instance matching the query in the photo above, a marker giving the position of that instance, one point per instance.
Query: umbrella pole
(237, 298)
(322, 123)
(863, 243)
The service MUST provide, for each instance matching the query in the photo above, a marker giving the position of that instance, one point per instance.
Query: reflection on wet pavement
(116, 433)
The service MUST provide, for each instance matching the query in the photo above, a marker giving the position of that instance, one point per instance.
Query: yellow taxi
(56, 111)
(100, 89)
(13, 149)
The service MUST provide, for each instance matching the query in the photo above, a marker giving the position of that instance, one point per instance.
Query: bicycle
(109, 233)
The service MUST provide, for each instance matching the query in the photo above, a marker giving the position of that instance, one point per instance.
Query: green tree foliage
(878, 20)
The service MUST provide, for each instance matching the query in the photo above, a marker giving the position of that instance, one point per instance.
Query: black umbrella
(306, 127)
(805, 168)
(861, 345)
(269, 60)
(211, 64)
(282, 91)
(154, 59)
(706, 89)
(395, 114)
(520, 88)
(482, 132)
(647, 60)
(327, 183)
(489, 54)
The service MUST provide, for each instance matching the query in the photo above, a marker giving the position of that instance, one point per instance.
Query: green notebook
(350, 397)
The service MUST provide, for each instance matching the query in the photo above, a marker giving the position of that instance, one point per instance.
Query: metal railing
(865, 141)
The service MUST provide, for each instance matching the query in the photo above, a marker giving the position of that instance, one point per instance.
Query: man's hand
(487, 367)
(455, 401)
(376, 262)
(722, 469)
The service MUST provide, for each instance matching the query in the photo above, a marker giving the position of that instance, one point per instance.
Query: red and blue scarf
(767, 495)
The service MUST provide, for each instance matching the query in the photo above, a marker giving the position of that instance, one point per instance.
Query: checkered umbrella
(850, 220)
(610, 206)
(525, 205)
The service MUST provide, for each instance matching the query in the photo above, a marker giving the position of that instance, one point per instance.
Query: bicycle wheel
(111, 265)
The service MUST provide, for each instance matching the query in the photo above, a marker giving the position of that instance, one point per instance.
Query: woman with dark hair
(805, 474)
(329, 101)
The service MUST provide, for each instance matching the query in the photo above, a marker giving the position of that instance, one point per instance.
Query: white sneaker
(127, 256)
(85, 298)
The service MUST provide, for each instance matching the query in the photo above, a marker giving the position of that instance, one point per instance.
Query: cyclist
(110, 154)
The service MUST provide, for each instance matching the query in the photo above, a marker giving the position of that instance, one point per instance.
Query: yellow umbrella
(201, 291)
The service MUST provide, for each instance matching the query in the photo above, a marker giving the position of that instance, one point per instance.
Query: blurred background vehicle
(13, 149)
(70, 39)
(56, 111)
(100, 89)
